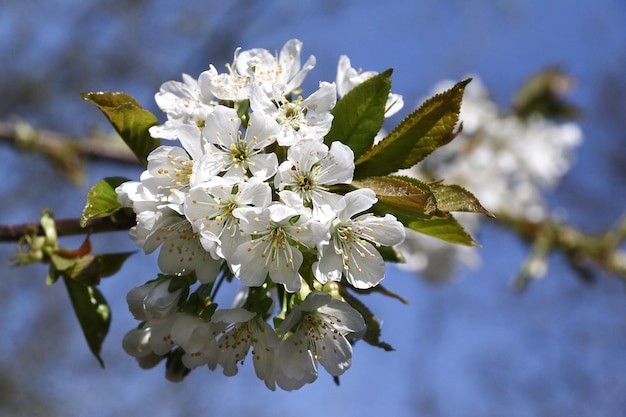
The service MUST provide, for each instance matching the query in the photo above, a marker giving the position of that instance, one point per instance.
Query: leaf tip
(465, 82)
(100, 361)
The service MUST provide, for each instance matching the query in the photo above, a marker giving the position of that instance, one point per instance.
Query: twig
(579, 248)
(66, 227)
(49, 142)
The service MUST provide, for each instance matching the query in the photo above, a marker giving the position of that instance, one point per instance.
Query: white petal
(386, 231)
(346, 318)
(329, 267)
(394, 104)
(335, 354)
(263, 165)
(137, 342)
(323, 99)
(135, 298)
(296, 361)
(261, 130)
(160, 340)
(366, 267)
(338, 166)
(357, 201)
(345, 76)
(260, 100)
(248, 264)
(190, 137)
(315, 300)
(221, 126)
(210, 164)
(232, 315)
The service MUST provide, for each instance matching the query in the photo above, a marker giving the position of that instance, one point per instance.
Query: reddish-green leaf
(413, 196)
(456, 198)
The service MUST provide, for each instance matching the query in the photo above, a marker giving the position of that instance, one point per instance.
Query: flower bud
(137, 342)
(160, 302)
(135, 299)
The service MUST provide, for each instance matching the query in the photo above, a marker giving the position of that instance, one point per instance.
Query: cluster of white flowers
(505, 161)
(249, 195)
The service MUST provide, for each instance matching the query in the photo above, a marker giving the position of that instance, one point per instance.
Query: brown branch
(55, 144)
(66, 227)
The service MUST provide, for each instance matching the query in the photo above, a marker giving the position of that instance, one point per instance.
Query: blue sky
(470, 347)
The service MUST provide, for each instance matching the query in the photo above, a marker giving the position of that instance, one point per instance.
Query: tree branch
(65, 152)
(580, 249)
(66, 227)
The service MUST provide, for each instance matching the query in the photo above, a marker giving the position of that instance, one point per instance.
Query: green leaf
(426, 129)
(447, 229)
(88, 269)
(102, 199)
(53, 275)
(359, 115)
(129, 119)
(456, 198)
(93, 314)
(415, 205)
(111, 263)
(61, 263)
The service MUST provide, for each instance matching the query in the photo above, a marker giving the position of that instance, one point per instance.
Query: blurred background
(470, 346)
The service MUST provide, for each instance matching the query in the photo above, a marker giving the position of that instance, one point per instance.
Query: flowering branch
(301, 201)
(296, 198)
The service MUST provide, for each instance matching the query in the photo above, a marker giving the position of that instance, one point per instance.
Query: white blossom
(230, 152)
(299, 118)
(209, 207)
(310, 169)
(283, 71)
(153, 300)
(351, 250)
(245, 330)
(315, 331)
(168, 173)
(185, 103)
(198, 339)
(276, 236)
(181, 251)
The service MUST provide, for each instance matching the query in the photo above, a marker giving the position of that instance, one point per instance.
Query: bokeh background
(467, 347)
